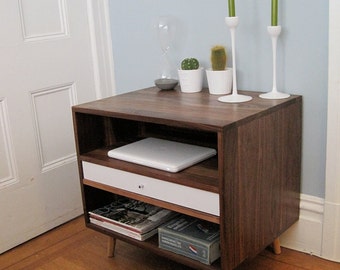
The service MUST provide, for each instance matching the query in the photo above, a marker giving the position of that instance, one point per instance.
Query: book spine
(117, 229)
(143, 227)
(111, 227)
(115, 223)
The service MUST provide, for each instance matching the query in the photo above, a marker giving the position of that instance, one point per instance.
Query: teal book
(191, 237)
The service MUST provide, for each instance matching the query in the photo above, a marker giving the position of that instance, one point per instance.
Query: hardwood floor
(74, 247)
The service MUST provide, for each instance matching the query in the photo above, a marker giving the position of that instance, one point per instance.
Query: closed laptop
(162, 154)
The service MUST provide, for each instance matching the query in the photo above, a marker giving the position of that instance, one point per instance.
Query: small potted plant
(219, 76)
(190, 76)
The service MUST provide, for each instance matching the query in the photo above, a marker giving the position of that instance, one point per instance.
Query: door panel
(45, 68)
(52, 105)
(43, 19)
(7, 166)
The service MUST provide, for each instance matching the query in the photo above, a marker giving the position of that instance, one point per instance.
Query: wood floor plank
(74, 247)
(302, 260)
(34, 246)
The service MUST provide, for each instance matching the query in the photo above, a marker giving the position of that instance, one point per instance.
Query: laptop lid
(162, 154)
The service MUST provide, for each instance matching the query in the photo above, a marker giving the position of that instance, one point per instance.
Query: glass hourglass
(166, 30)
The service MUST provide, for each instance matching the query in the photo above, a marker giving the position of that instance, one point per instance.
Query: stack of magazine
(130, 217)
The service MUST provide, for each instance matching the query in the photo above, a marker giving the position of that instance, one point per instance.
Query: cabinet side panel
(290, 135)
(260, 186)
(269, 163)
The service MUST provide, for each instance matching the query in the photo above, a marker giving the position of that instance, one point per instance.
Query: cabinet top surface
(200, 110)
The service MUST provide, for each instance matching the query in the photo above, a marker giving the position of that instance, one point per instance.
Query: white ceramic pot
(220, 81)
(191, 81)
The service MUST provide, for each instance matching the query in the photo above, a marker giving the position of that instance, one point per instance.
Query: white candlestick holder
(232, 23)
(274, 32)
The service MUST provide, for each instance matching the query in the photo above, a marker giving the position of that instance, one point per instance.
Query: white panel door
(45, 68)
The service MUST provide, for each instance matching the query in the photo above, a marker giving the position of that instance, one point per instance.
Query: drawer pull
(141, 186)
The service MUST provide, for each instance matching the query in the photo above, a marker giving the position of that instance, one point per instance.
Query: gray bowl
(166, 84)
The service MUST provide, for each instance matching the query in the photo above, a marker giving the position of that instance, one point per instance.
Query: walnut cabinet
(251, 188)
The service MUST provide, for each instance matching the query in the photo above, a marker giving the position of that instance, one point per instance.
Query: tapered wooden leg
(111, 245)
(276, 246)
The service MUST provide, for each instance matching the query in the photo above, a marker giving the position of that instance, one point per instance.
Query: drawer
(189, 197)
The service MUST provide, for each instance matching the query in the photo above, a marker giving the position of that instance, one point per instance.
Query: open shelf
(150, 200)
(203, 175)
(152, 245)
(107, 195)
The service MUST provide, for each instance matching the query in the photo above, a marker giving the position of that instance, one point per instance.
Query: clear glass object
(166, 32)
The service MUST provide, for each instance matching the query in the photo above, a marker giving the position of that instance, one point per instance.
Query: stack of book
(131, 218)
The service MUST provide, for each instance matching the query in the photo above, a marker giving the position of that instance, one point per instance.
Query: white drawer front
(193, 198)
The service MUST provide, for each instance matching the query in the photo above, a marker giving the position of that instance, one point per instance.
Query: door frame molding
(331, 221)
(101, 46)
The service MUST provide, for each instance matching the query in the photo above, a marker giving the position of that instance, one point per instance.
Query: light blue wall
(302, 55)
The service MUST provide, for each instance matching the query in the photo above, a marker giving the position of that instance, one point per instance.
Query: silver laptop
(162, 154)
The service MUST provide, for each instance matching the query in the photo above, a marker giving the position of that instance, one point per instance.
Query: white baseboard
(306, 234)
(331, 232)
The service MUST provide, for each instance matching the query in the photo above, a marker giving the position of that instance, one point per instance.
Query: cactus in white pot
(190, 76)
(190, 64)
(219, 76)
(218, 58)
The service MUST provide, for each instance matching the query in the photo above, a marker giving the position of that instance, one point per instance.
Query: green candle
(231, 4)
(274, 12)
